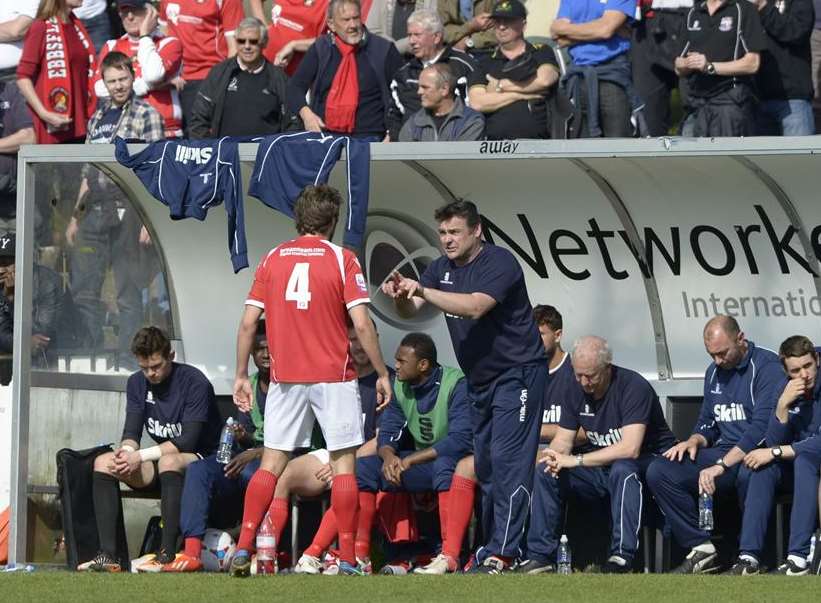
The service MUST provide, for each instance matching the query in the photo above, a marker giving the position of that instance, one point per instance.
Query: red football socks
(367, 511)
(257, 499)
(345, 503)
(460, 508)
(193, 547)
(443, 516)
(278, 511)
(324, 536)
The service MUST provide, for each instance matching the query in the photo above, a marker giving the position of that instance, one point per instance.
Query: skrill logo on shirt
(728, 413)
(164, 430)
(603, 440)
(552, 414)
(199, 155)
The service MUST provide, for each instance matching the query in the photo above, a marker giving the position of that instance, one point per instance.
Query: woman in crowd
(55, 72)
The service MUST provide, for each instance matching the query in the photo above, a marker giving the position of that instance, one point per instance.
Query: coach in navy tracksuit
(625, 427)
(481, 289)
(741, 386)
(794, 457)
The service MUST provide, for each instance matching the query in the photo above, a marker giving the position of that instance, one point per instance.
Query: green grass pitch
(65, 587)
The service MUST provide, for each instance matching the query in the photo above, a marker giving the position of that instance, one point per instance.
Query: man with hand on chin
(791, 462)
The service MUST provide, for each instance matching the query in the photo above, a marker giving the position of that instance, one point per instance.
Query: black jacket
(45, 308)
(785, 71)
(206, 114)
(404, 96)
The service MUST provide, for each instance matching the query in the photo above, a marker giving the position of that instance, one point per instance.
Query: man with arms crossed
(481, 289)
(310, 290)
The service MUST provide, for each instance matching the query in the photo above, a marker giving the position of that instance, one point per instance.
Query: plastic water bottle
(705, 512)
(563, 558)
(266, 548)
(226, 446)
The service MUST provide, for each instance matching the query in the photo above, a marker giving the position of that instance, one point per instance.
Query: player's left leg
(338, 410)
(625, 483)
(171, 468)
(763, 485)
(516, 419)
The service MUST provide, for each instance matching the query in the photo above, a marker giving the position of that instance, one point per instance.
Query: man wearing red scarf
(347, 72)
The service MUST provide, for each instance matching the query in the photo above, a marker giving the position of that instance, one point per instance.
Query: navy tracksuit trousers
(424, 477)
(507, 417)
(675, 488)
(622, 483)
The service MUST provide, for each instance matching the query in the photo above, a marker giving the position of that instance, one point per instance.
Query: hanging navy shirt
(505, 337)
(738, 402)
(629, 400)
(186, 396)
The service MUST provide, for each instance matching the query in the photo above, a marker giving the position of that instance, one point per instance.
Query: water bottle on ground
(226, 445)
(266, 548)
(705, 512)
(563, 559)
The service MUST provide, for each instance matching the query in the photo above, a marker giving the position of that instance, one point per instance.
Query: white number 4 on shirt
(297, 289)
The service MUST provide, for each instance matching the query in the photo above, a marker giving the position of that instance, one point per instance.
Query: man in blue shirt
(481, 289)
(175, 404)
(600, 79)
(741, 386)
(794, 456)
(625, 427)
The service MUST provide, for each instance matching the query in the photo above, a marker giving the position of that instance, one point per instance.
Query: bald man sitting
(741, 387)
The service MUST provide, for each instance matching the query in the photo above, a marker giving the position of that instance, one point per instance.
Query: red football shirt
(306, 287)
(294, 20)
(201, 26)
(163, 97)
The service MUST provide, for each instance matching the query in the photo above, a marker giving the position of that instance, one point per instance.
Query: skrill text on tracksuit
(191, 177)
(441, 421)
(629, 400)
(803, 432)
(503, 359)
(736, 410)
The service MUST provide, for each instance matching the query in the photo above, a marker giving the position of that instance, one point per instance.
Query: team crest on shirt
(149, 397)
(726, 24)
(172, 11)
(717, 389)
(586, 412)
(360, 282)
(696, 26)
(446, 279)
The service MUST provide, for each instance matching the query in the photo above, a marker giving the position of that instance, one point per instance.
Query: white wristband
(150, 454)
(127, 448)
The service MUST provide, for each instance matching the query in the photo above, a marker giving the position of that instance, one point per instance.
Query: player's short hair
(795, 347)
(149, 341)
(334, 4)
(316, 209)
(444, 76)
(422, 345)
(116, 60)
(548, 315)
(460, 208)
(428, 19)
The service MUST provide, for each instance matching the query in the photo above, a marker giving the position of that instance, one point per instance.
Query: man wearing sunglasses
(243, 95)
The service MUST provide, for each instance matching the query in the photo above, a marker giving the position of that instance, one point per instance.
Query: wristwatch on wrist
(579, 460)
(776, 452)
(710, 69)
(720, 462)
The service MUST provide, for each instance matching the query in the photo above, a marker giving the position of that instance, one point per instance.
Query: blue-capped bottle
(226, 445)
